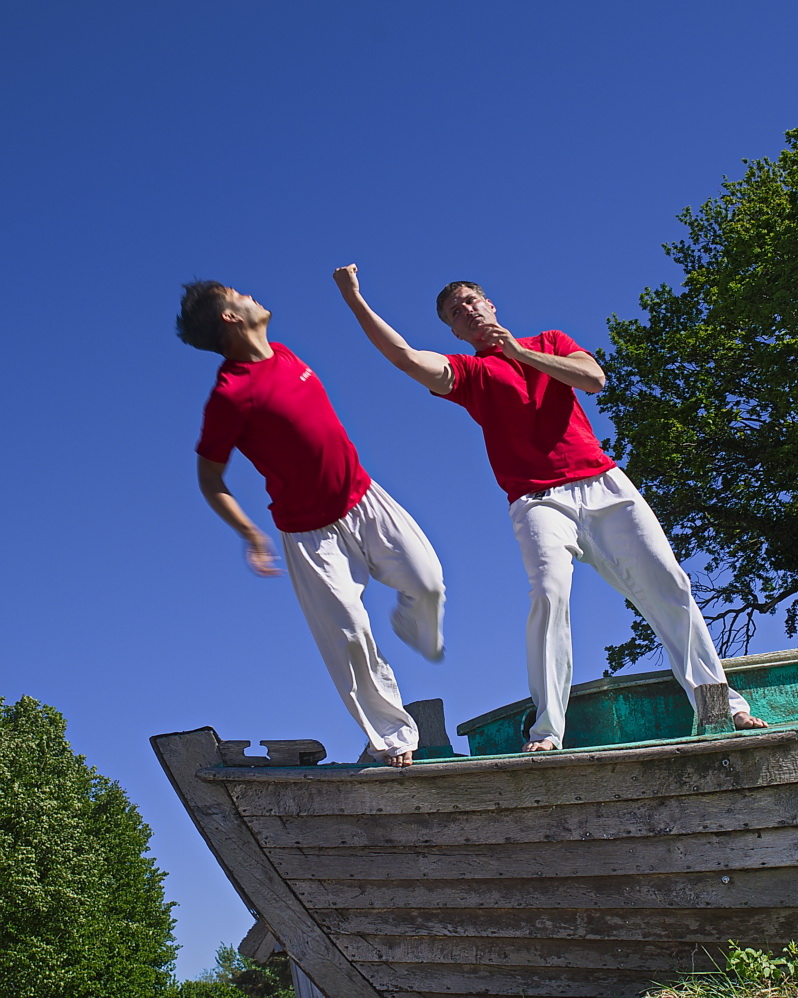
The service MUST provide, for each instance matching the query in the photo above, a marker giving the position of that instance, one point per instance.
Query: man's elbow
(206, 489)
(210, 482)
(594, 378)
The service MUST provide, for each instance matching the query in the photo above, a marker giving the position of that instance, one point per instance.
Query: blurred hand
(262, 557)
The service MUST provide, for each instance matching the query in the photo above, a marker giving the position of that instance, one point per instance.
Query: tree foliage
(704, 397)
(249, 978)
(82, 912)
(206, 989)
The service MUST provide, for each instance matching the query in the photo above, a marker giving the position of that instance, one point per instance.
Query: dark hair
(450, 290)
(199, 323)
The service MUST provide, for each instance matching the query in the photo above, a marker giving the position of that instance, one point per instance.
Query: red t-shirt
(276, 412)
(536, 433)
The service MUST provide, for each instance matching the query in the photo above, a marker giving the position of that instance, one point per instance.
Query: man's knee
(674, 583)
(429, 591)
(550, 591)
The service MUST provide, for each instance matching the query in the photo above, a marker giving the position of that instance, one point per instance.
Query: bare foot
(544, 745)
(399, 761)
(742, 720)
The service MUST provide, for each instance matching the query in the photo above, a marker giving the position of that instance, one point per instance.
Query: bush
(82, 912)
(749, 973)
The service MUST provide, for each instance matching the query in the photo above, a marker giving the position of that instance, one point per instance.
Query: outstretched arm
(260, 550)
(431, 369)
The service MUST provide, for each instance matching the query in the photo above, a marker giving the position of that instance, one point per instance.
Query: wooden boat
(591, 872)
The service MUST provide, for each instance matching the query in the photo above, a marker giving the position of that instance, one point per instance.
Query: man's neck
(249, 345)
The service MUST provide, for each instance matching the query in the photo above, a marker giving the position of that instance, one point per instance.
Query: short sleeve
(221, 427)
(560, 344)
(462, 366)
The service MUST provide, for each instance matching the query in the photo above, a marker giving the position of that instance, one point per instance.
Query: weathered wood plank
(303, 986)
(527, 788)
(432, 769)
(258, 944)
(431, 722)
(746, 888)
(449, 994)
(481, 994)
(515, 981)
(545, 954)
(712, 711)
(211, 809)
(737, 850)
(280, 752)
(751, 926)
(761, 807)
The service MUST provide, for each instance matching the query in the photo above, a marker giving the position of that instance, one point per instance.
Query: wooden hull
(581, 873)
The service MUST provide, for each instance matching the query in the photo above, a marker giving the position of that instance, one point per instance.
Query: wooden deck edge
(251, 873)
(701, 745)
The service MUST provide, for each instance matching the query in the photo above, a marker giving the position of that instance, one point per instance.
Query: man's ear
(492, 306)
(230, 316)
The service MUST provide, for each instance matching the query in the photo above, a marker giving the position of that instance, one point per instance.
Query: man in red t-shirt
(338, 527)
(568, 499)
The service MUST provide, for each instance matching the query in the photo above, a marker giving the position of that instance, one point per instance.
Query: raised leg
(329, 574)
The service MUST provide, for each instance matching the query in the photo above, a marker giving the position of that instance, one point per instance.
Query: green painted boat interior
(649, 706)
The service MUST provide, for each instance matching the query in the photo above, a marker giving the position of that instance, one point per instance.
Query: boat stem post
(712, 712)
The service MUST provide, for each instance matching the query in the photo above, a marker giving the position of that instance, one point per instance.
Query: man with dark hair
(568, 499)
(338, 527)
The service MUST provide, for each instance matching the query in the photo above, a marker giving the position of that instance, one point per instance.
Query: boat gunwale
(464, 765)
(604, 684)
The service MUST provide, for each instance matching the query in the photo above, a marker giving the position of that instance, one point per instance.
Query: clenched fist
(346, 279)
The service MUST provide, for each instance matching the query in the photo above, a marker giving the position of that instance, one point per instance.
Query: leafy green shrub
(749, 973)
(760, 967)
(206, 989)
(82, 912)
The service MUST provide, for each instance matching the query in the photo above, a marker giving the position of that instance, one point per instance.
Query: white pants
(330, 568)
(605, 522)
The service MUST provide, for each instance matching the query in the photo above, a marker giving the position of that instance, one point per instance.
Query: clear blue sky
(540, 149)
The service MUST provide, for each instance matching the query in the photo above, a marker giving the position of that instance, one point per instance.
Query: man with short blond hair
(568, 499)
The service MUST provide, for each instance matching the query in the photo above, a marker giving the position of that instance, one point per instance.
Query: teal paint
(649, 707)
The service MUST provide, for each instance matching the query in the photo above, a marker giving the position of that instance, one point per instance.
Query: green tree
(248, 977)
(704, 397)
(82, 912)
(206, 989)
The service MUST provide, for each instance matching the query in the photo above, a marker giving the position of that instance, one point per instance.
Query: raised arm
(260, 550)
(431, 369)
